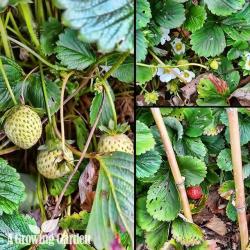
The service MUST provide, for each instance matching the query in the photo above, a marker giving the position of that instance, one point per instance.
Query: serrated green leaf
(144, 138)
(195, 18)
(224, 160)
(153, 34)
(226, 189)
(125, 72)
(208, 95)
(110, 24)
(49, 35)
(52, 245)
(15, 225)
(190, 146)
(141, 46)
(214, 144)
(208, 41)
(168, 14)
(75, 221)
(231, 211)
(106, 114)
(55, 186)
(197, 120)
(193, 169)
(143, 13)
(155, 239)
(227, 73)
(166, 111)
(174, 124)
(72, 52)
(186, 233)
(144, 74)
(34, 93)
(147, 164)
(114, 199)
(144, 220)
(163, 202)
(224, 7)
(11, 188)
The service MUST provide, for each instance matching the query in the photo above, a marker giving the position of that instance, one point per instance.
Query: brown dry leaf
(191, 88)
(242, 95)
(86, 181)
(217, 225)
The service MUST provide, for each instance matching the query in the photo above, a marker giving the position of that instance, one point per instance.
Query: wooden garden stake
(238, 174)
(179, 180)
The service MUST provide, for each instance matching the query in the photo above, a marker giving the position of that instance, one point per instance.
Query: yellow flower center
(167, 71)
(178, 46)
(186, 74)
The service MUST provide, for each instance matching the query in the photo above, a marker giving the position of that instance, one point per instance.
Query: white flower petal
(160, 71)
(166, 78)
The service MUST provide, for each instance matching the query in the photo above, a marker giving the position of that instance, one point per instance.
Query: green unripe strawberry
(54, 164)
(183, 62)
(112, 143)
(23, 126)
(214, 64)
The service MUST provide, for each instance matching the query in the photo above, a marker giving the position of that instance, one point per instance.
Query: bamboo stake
(179, 180)
(238, 175)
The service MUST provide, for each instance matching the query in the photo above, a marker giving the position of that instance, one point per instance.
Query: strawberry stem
(7, 82)
(27, 15)
(45, 94)
(4, 38)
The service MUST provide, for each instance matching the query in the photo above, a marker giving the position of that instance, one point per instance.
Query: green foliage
(224, 161)
(187, 233)
(55, 186)
(110, 25)
(196, 16)
(162, 200)
(75, 221)
(49, 35)
(17, 224)
(72, 52)
(168, 14)
(114, 199)
(204, 40)
(143, 13)
(144, 74)
(11, 189)
(144, 138)
(147, 164)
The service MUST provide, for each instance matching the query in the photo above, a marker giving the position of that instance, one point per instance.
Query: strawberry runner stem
(238, 174)
(179, 180)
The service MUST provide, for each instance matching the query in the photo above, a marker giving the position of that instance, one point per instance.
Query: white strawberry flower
(178, 46)
(165, 35)
(187, 75)
(167, 74)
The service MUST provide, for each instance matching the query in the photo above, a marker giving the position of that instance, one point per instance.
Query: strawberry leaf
(163, 200)
(205, 40)
(114, 200)
(11, 188)
(147, 164)
(195, 18)
(193, 169)
(144, 138)
(72, 52)
(143, 13)
(224, 7)
(224, 161)
(109, 23)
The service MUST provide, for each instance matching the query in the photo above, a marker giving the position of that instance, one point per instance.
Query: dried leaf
(217, 225)
(87, 180)
(49, 225)
(242, 95)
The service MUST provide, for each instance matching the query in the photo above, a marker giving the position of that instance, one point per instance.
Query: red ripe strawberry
(194, 193)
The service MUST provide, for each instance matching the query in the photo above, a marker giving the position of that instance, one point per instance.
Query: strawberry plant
(192, 52)
(203, 144)
(66, 113)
